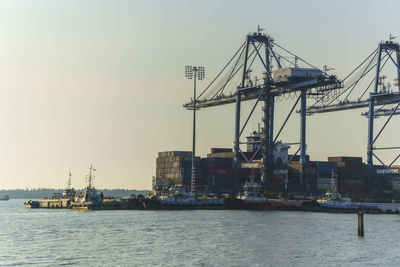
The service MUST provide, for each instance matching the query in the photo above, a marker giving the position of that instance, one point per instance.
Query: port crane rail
(362, 81)
(261, 49)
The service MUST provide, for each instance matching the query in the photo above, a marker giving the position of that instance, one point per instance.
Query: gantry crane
(261, 49)
(362, 81)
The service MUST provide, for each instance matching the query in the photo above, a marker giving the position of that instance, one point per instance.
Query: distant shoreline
(48, 192)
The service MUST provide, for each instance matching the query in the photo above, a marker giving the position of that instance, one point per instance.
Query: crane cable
(240, 48)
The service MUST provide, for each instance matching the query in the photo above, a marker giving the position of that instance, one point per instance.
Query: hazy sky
(102, 82)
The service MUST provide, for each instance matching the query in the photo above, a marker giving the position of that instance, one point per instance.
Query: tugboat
(178, 198)
(88, 199)
(333, 201)
(253, 198)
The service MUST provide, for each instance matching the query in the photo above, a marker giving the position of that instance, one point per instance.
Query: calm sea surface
(40, 237)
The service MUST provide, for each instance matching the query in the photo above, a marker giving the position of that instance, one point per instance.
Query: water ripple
(193, 238)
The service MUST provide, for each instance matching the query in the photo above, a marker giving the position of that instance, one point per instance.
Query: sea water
(50, 237)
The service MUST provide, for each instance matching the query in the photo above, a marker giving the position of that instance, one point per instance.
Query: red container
(277, 179)
(221, 165)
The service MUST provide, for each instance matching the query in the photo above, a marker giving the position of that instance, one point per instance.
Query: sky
(102, 82)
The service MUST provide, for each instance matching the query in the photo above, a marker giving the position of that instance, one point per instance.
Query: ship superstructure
(88, 198)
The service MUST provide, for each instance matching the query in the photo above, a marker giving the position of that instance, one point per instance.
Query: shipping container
(175, 167)
(217, 159)
(220, 180)
(354, 187)
(277, 178)
(220, 171)
(325, 164)
(396, 185)
(325, 174)
(345, 159)
(353, 166)
(324, 186)
(354, 181)
(221, 165)
(221, 155)
(220, 150)
(311, 170)
(324, 180)
(174, 154)
(293, 74)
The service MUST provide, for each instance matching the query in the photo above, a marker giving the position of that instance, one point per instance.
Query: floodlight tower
(69, 181)
(196, 73)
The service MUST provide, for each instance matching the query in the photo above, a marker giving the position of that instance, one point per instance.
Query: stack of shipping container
(351, 174)
(219, 169)
(215, 174)
(395, 181)
(295, 177)
(386, 183)
(326, 175)
(317, 179)
(175, 168)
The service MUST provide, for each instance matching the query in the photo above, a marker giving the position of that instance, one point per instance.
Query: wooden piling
(360, 224)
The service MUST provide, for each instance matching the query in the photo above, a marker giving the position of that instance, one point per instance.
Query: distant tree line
(48, 192)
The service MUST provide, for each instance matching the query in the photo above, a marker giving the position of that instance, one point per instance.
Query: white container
(289, 74)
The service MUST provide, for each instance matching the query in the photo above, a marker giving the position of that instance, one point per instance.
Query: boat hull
(262, 205)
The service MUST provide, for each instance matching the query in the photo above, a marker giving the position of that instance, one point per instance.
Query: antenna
(391, 38)
(259, 29)
(326, 68)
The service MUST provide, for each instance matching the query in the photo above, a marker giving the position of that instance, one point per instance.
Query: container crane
(362, 81)
(261, 49)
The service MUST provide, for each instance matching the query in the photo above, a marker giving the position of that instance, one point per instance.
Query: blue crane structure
(260, 51)
(364, 88)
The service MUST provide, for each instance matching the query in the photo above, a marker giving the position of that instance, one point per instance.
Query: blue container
(324, 174)
(327, 164)
(220, 180)
(220, 160)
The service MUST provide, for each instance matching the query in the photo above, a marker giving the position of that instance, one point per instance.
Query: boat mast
(333, 184)
(90, 177)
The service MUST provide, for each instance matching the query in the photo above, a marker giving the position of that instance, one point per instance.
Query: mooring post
(360, 224)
